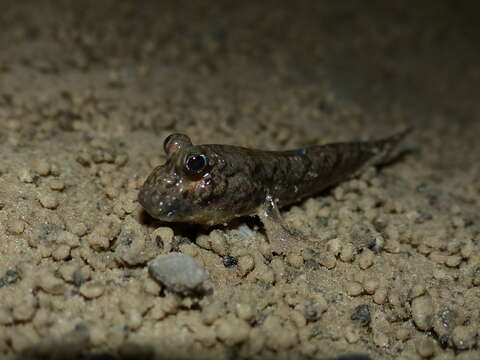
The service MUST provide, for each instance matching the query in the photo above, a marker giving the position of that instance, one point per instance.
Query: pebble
(437, 257)
(380, 339)
(381, 296)
(334, 246)
(425, 348)
(295, 260)
(348, 253)
(279, 336)
(5, 315)
(92, 289)
(61, 253)
(246, 264)
(67, 238)
(48, 201)
(57, 185)
(417, 290)
(370, 286)
(464, 338)
(467, 249)
(43, 167)
(423, 312)
(25, 176)
(361, 314)
(453, 260)
(392, 246)
(98, 336)
(98, 242)
(229, 261)
(151, 287)
(218, 243)
(15, 227)
(203, 241)
(112, 192)
(163, 238)
(79, 229)
(133, 319)
(354, 288)
(232, 331)
(50, 284)
(365, 260)
(352, 334)
(25, 310)
(402, 334)
(327, 260)
(178, 272)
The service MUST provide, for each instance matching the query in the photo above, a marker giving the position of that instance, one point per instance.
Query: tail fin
(386, 148)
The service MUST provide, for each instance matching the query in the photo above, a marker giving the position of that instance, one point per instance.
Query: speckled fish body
(211, 184)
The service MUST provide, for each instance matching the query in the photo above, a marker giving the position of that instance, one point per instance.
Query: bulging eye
(175, 142)
(195, 163)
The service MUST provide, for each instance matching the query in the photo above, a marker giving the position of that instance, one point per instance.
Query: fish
(212, 184)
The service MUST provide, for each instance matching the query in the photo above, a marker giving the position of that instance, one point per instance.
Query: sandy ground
(88, 92)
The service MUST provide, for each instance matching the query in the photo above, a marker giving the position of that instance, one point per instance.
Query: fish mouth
(150, 201)
(160, 206)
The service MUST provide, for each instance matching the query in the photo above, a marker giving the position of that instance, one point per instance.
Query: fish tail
(386, 149)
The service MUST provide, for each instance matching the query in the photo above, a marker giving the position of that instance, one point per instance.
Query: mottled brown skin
(234, 181)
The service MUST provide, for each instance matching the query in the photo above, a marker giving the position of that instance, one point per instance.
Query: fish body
(212, 184)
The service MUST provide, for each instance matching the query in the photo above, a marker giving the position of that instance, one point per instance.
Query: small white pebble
(67, 238)
(15, 227)
(453, 260)
(232, 331)
(365, 259)
(79, 229)
(380, 339)
(348, 253)
(245, 264)
(425, 348)
(48, 201)
(334, 246)
(295, 260)
(218, 243)
(25, 310)
(327, 260)
(417, 290)
(423, 311)
(98, 242)
(25, 176)
(354, 288)
(463, 337)
(392, 246)
(5, 315)
(467, 249)
(203, 241)
(380, 297)
(134, 319)
(370, 286)
(438, 257)
(43, 168)
(402, 334)
(92, 289)
(152, 287)
(351, 334)
(163, 237)
(61, 253)
(244, 311)
(57, 184)
(50, 284)
(112, 192)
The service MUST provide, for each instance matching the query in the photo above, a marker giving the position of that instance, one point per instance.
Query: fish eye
(195, 163)
(175, 142)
